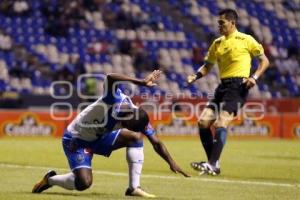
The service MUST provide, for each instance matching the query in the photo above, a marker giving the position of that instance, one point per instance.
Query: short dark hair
(138, 121)
(230, 14)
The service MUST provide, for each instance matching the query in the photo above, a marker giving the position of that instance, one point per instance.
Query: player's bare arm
(162, 151)
(263, 65)
(147, 81)
(202, 71)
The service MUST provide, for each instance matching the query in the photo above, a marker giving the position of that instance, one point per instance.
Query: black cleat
(43, 184)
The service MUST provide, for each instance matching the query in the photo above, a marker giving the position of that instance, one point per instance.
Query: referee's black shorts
(229, 96)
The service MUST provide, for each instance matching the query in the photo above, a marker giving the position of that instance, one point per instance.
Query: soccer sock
(135, 159)
(206, 140)
(66, 181)
(218, 144)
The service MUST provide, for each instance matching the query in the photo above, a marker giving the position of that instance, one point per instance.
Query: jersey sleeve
(255, 48)
(149, 130)
(111, 95)
(211, 54)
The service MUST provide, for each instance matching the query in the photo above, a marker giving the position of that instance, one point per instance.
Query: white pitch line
(4, 165)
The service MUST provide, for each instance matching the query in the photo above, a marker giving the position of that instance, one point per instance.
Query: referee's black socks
(218, 144)
(206, 140)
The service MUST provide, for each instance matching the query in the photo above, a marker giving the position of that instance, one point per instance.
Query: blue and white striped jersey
(99, 118)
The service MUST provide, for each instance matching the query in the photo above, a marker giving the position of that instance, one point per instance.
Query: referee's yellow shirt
(233, 54)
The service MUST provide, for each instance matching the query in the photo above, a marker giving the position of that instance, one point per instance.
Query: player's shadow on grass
(61, 194)
(91, 194)
(83, 194)
(49, 193)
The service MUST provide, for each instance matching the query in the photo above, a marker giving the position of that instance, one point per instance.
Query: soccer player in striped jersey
(110, 123)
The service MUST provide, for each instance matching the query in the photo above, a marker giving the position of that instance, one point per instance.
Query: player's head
(227, 21)
(137, 120)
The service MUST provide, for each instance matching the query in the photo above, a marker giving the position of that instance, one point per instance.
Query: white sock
(66, 181)
(217, 164)
(135, 159)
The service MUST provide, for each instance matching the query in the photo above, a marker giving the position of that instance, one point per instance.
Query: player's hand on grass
(176, 169)
(191, 78)
(249, 82)
(151, 78)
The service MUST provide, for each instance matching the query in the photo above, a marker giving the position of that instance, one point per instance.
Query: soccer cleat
(199, 167)
(212, 170)
(205, 168)
(43, 184)
(138, 192)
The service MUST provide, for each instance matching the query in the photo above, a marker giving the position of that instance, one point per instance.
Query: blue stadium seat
(29, 30)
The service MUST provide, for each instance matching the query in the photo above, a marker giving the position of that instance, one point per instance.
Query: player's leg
(80, 179)
(134, 154)
(213, 167)
(233, 99)
(220, 135)
(83, 178)
(43, 184)
(135, 159)
(80, 163)
(207, 118)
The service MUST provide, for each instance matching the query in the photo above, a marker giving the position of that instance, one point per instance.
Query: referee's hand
(249, 82)
(191, 78)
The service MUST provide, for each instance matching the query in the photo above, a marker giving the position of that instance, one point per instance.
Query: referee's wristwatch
(254, 77)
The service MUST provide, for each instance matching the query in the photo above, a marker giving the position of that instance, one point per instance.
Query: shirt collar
(231, 34)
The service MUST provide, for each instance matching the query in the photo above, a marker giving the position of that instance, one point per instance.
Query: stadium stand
(43, 41)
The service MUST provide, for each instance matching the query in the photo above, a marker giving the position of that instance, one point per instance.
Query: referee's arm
(263, 65)
(202, 71)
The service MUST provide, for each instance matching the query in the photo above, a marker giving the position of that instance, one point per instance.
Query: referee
(232, 52)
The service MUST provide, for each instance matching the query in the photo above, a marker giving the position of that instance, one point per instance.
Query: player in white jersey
(110, 123)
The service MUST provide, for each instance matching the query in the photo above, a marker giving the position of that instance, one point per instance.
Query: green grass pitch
(251, 169)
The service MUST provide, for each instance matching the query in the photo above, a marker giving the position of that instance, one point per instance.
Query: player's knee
(203, 124)
(135, 155)
(83, 183)
(224, 119)
(136, 138)
(136, 142)
(220, 124)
